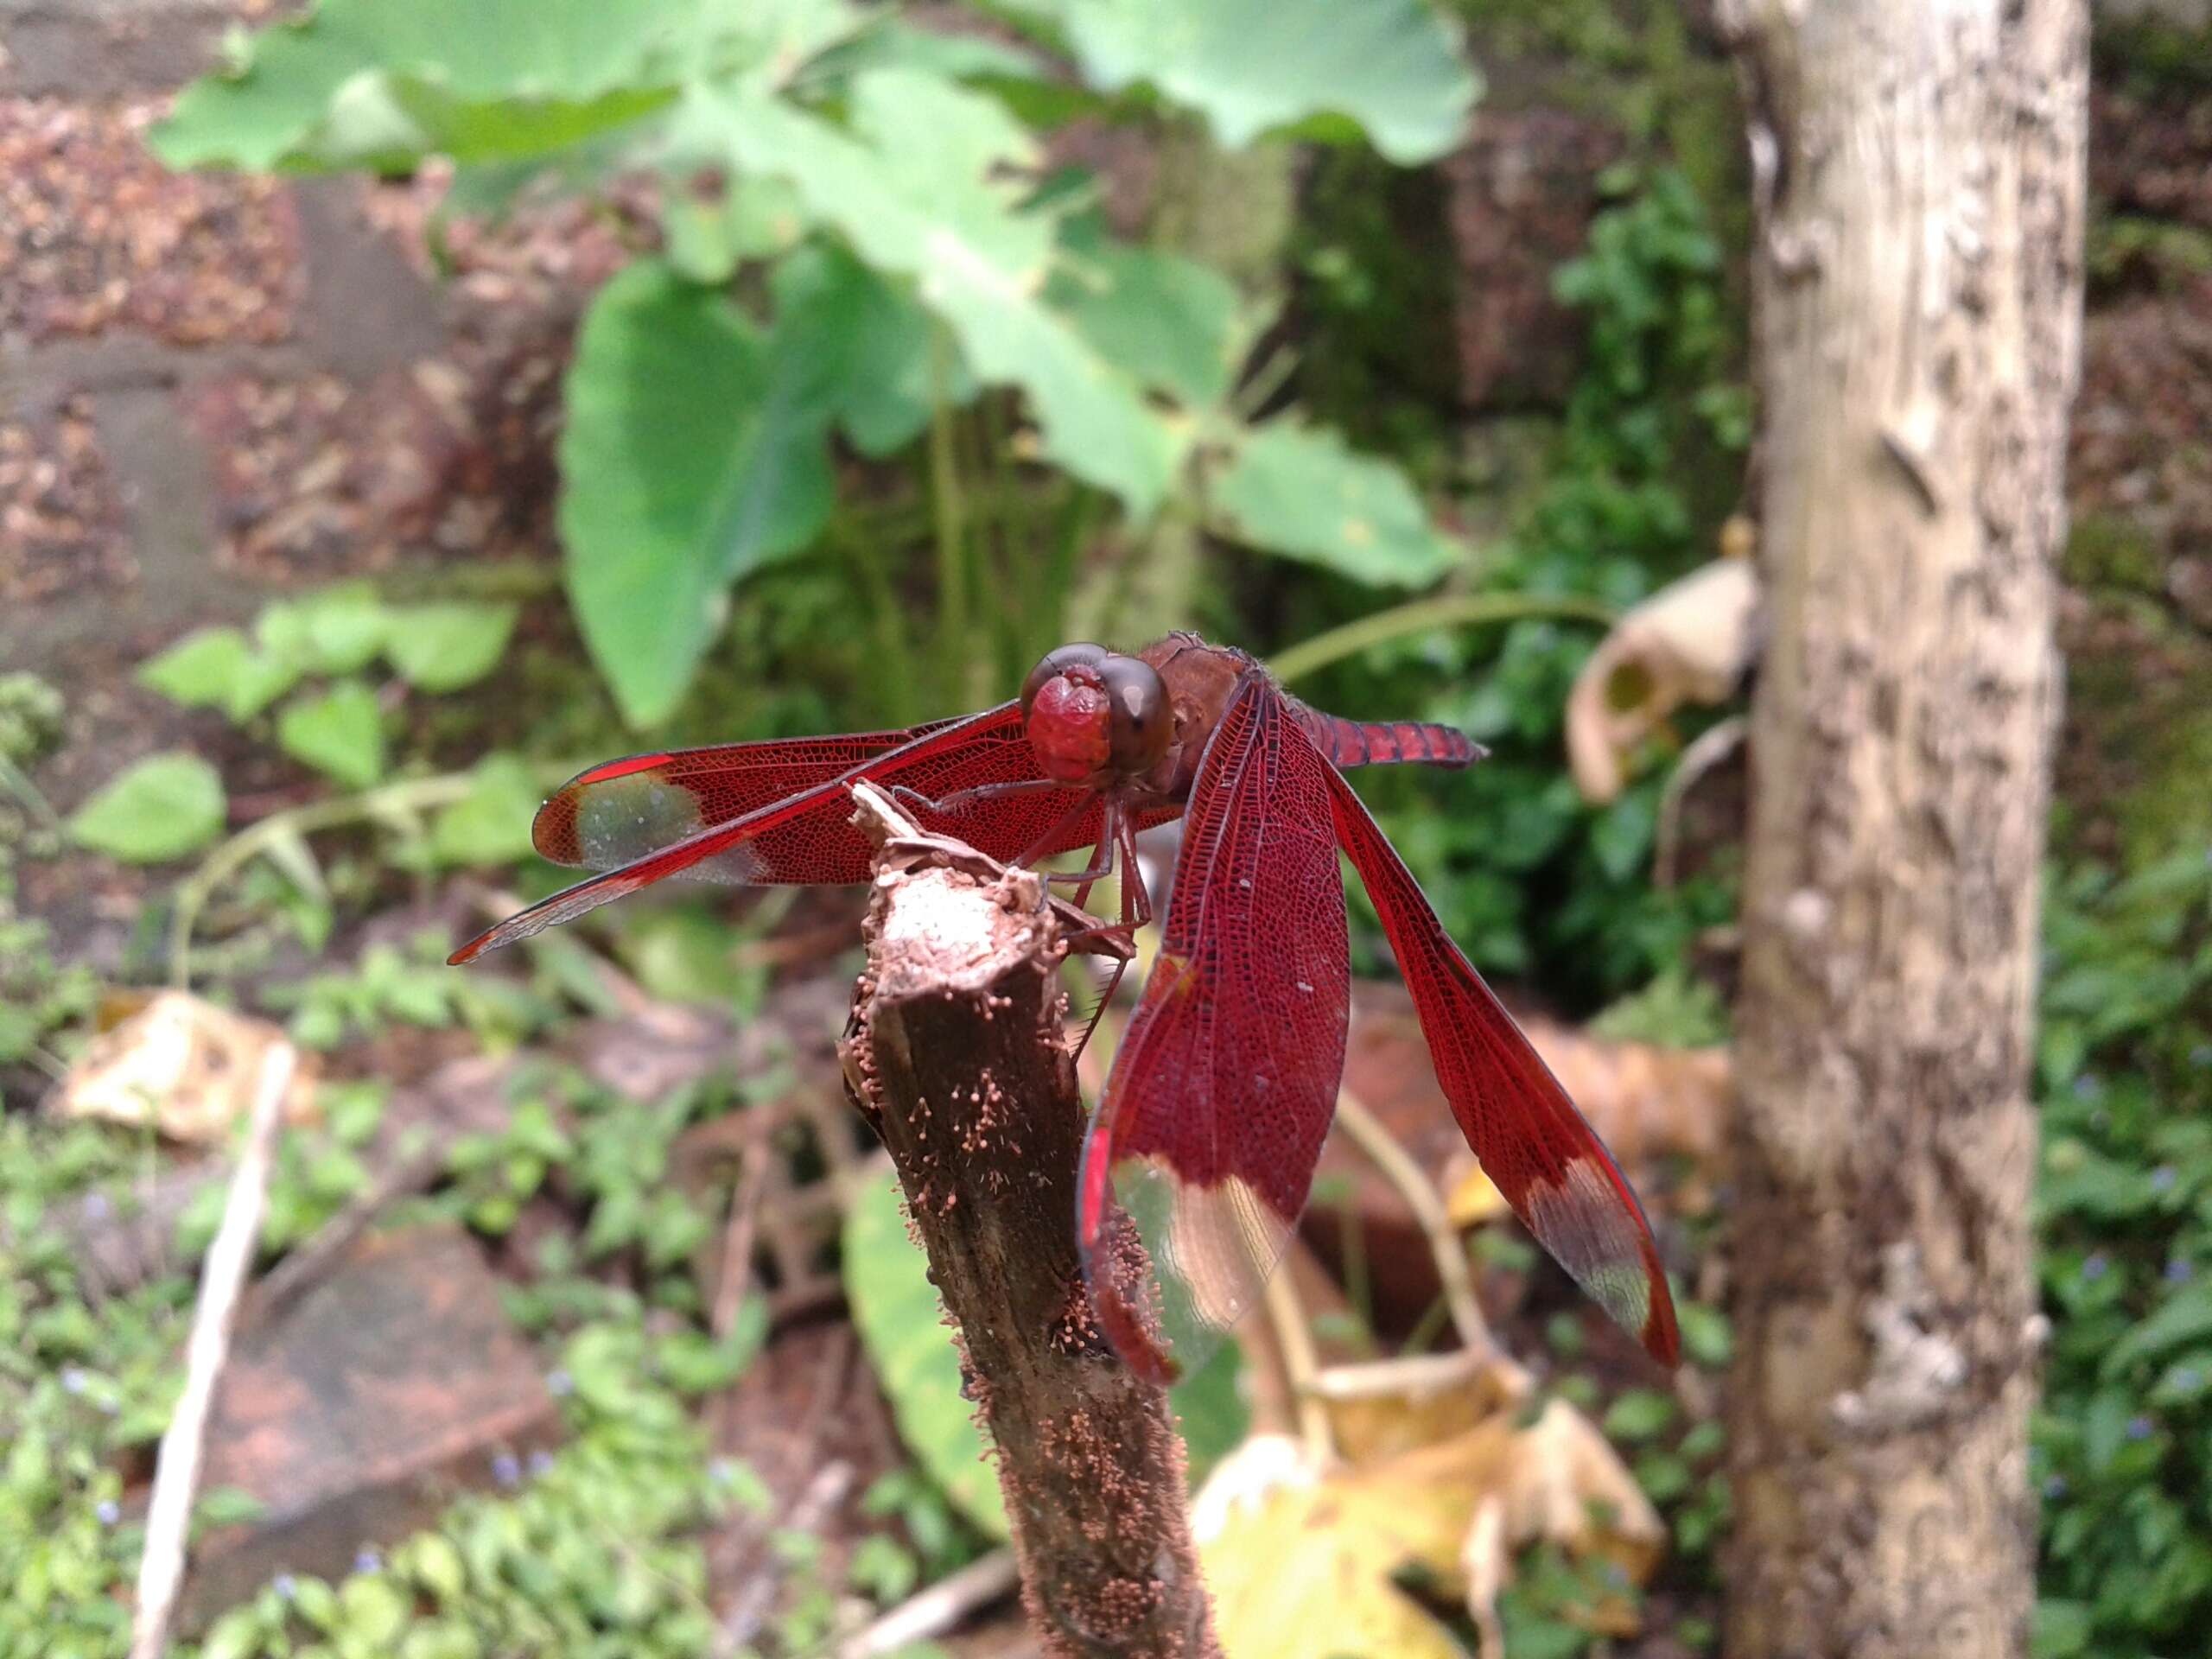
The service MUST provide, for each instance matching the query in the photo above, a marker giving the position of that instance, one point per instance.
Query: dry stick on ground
(221, 1279)
(957, 1054)
(929, 1613)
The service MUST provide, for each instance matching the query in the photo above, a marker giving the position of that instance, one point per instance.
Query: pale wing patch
(1582, 1223)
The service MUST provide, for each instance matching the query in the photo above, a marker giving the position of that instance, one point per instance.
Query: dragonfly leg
(1118, 838)
(960, 799)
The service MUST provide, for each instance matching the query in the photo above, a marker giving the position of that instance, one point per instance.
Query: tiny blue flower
(721, 1469)
(2139, 1428)
(368, 1561)
(2180, 1270)
(2200, 1056)
(2055, 1488)
(505, 1470)
(2163, 1178)
(2094, 1265)
(2188, 1378)
(96, 1206)
(561, 1384)
(541, 1464)
(2088, 1086)
(74, 1379)
(109, 1511)
(285, 1585)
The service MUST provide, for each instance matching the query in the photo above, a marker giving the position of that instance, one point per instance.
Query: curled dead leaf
(1301, 1560)
(181, 1066)
(1691, 642)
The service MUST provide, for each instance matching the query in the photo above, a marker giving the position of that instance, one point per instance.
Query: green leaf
(2181, 1320)
(688, 460)
(867, 345)
(199, 669)
(340, 733)
(1639, 1414)
(218, 668)
(165, 807)
(444, 647)
(335, 632)
(384, 83)
(895, 1307)
(1299, 491)
(1211, 1411)
(1391, 67)
(1170, 322)
(491, 823)
(945, 214)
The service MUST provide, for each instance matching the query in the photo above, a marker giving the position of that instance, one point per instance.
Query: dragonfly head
(1094, 715)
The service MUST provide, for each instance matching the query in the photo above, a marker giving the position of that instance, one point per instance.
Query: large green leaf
(865, 345)
(382, 83)
(945, 214)
(902, 1324)
(690, 456)
(162, 808)
(1168, 320)
(1298, 490)
(895, 1307)
(1392, 67)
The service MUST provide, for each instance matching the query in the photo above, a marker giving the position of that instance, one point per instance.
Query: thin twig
(809, 1512)
(1425, 616)
(735, 1279)
(1301, 1365)
(402, 799)
(933, 1611)
(221, 1278)
(1421, 1197)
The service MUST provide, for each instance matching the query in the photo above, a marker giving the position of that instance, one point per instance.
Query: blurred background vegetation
(558, 379)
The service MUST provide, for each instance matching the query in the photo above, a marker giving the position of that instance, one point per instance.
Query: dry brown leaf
(183, 1065)
(1474, 1198)
(1690, 642)
(1301, 1562)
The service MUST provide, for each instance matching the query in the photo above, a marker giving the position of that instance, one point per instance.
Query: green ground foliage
(831, 354)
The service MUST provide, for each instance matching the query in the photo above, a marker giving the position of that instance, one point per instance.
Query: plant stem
(895, 677)
(951, 531)
(409, 796)
(1423, 616)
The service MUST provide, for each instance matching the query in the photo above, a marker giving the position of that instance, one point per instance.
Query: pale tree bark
(1917, 284)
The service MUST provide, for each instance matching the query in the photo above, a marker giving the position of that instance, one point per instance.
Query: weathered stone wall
(213, 388)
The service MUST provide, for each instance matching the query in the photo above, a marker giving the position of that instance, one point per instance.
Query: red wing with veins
(1222, 1093)
(780, 813)
(1532, 1141)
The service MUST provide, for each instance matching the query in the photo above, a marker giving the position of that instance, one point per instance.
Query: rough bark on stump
(957, 1053)
(1919, 170)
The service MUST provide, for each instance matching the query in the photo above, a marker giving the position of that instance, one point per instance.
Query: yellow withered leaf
(1300, 1567)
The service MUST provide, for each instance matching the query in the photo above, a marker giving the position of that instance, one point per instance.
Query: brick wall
(213, 388)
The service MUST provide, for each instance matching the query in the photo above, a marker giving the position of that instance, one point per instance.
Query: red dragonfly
(1227, 1076)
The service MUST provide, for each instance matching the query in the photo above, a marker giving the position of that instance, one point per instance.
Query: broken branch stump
(957, 1053)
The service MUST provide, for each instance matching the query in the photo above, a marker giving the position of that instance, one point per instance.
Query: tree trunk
(1919, 170)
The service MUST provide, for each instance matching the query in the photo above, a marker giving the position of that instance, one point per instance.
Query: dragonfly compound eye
(1138, 716)
(1055, 663)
